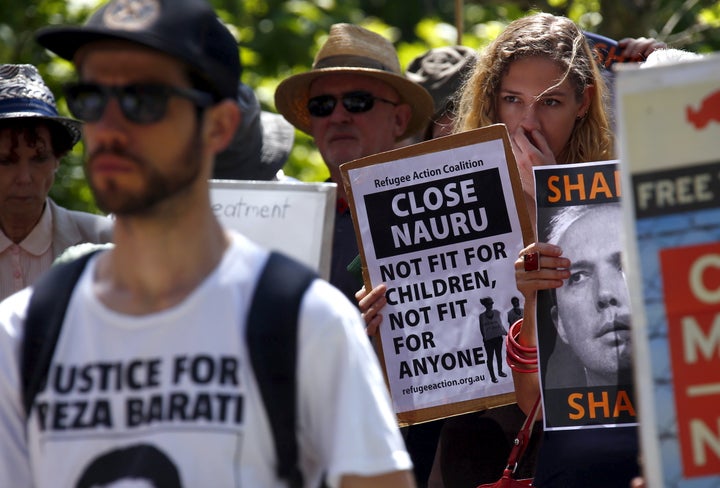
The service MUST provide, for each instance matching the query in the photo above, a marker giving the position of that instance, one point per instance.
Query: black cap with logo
(188, 30)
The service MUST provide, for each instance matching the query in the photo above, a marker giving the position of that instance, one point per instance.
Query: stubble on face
(134, 168)
(113, 197)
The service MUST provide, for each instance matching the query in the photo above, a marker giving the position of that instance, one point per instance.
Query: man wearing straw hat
(354, 102)
(34, 230)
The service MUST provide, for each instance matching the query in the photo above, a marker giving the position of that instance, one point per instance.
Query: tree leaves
(280, 37)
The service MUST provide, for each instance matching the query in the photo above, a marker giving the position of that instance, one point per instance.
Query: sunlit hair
(556, 38)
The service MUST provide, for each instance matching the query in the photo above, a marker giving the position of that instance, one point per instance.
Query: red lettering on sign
(709, 111)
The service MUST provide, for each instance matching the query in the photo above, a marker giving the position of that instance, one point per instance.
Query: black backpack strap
(43, 321)
(272, 342)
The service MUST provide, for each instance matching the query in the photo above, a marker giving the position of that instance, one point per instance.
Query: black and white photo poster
(584, 326)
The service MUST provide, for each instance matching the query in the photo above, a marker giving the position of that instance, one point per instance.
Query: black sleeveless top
(589, 458)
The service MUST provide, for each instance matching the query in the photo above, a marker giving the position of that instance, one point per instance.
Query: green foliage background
(279, 38)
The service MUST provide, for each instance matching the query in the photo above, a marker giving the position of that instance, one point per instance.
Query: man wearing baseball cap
(152, 349)
(354, 102)
(34, 230)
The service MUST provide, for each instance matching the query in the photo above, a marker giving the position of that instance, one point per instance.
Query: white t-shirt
(178, 385)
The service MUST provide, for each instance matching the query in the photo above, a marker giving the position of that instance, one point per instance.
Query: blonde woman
(539, 77)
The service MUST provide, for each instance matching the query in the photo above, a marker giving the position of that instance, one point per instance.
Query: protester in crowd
(260, 147)
(34, 230)
(152, 347)
(354, 102)
(474, 447)
(441, 71)
(539, 77)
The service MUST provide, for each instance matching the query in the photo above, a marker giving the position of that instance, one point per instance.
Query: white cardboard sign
(291, 217)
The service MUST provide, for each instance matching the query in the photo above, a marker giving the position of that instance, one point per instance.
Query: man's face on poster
(592, 314)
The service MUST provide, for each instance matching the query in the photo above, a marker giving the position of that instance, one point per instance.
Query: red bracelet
(512, 336)
(518, 368)
(522, 359)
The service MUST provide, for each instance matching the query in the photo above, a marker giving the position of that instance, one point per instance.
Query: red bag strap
(523, 437)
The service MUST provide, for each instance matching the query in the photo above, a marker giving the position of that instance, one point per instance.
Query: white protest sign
(292, 217)
(438, 224)
(669, 143)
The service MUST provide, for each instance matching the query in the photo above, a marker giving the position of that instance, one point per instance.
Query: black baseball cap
(188, 30)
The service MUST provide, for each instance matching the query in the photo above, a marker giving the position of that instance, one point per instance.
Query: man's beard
(158, 187)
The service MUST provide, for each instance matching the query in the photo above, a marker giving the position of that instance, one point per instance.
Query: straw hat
(352, 49)
(24, 94)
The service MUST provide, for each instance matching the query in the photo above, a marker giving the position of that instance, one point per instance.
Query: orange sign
(691, 278)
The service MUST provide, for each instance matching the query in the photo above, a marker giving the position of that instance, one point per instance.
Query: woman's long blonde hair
(556, 38)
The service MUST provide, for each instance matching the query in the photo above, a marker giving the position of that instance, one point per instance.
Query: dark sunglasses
(356, 102)
(140, 103)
